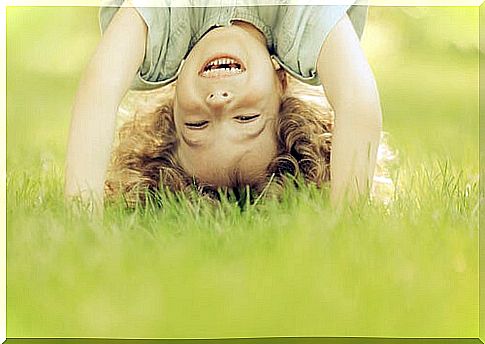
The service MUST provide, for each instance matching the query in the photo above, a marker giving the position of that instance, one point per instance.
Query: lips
(222, 66)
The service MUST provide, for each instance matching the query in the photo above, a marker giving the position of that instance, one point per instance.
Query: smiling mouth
(222, 66)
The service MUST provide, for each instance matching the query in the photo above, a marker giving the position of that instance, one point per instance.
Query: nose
(219, 98)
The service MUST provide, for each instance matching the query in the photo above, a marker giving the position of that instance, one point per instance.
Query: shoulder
(168, 37)
(301, 32)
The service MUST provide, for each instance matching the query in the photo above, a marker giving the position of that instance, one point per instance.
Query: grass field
(291, 268)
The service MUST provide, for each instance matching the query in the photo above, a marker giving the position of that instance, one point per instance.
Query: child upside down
(231, 120)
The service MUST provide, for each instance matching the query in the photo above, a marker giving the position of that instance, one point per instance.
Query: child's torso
(294, 34)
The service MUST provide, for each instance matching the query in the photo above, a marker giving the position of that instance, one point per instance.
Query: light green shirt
(294, 34)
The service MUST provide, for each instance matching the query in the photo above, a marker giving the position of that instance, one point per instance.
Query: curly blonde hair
(144, 161)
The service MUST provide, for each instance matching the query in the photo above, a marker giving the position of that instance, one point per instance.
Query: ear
(283, 78)
(281, 74)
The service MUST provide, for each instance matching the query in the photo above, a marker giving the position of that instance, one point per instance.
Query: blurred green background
(425, 60)
(407, 270)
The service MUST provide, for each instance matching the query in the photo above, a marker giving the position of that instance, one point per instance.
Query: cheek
(185, 91)
(183, 96)
(177, 116)
(184, 104)
(265, 88)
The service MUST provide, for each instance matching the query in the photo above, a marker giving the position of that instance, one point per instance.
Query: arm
(351, 90)
(103, 85)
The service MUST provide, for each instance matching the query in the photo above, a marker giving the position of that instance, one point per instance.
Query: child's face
(225, 118)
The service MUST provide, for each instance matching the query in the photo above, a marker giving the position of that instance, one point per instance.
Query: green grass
(294, 267)
(291, 268)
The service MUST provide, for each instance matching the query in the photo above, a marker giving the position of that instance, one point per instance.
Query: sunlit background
(425, 60)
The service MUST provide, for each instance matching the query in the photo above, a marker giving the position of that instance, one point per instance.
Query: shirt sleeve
(163, 56)
(301, 32)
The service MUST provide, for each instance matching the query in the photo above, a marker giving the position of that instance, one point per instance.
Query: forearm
(103, 85)
(355, 144)
(89, 147)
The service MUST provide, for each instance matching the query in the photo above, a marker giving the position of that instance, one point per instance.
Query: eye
(196, 125)
(246, 118)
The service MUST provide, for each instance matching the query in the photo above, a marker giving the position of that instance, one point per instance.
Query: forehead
(224, 160)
